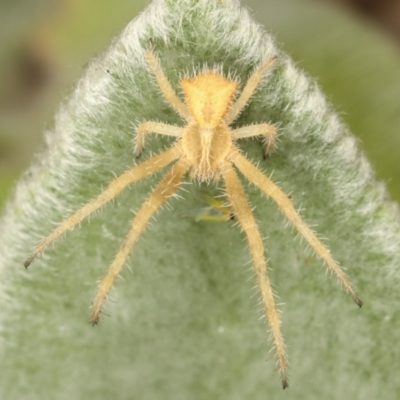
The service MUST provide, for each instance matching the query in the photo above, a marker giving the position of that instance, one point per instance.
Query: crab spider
(205, 147)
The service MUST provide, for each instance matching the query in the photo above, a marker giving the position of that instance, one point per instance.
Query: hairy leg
(248, 90)
(238, 201)
(138, 172)
(254, 175)
(266, 130)
(166, 88)
(158, 197)
(154, 127)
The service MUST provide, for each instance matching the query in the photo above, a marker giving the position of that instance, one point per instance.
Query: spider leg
(254, 175)
(268, 131)
(158, 197)
(154, 127)
(240, 205)
(248, 90)
(138, 172)
(165, 86)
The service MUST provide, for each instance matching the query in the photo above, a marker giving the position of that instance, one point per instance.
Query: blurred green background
(353, 52)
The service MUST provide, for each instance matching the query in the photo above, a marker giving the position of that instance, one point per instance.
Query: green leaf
(185, 322)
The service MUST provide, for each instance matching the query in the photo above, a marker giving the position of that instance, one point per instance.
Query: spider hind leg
(136, 173)
(242, 210)
(265, 184)
(158, 197)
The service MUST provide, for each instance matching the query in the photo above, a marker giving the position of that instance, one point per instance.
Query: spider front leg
(165, 86)
(136, 173)
(154, 127)
(160, 195)
(266, 130)
(248, 90)
(241, 208)
(254, 175)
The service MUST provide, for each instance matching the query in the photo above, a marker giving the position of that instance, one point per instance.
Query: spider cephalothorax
(205, 147)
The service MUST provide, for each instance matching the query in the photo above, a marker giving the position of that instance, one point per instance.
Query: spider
(205, 147)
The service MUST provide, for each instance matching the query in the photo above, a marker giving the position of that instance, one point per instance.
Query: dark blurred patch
(26, 50)
(33, 69)
(30, 72)
(385, 13)
(29, 69)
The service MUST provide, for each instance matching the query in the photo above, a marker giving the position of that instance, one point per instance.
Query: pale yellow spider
(206, 147)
